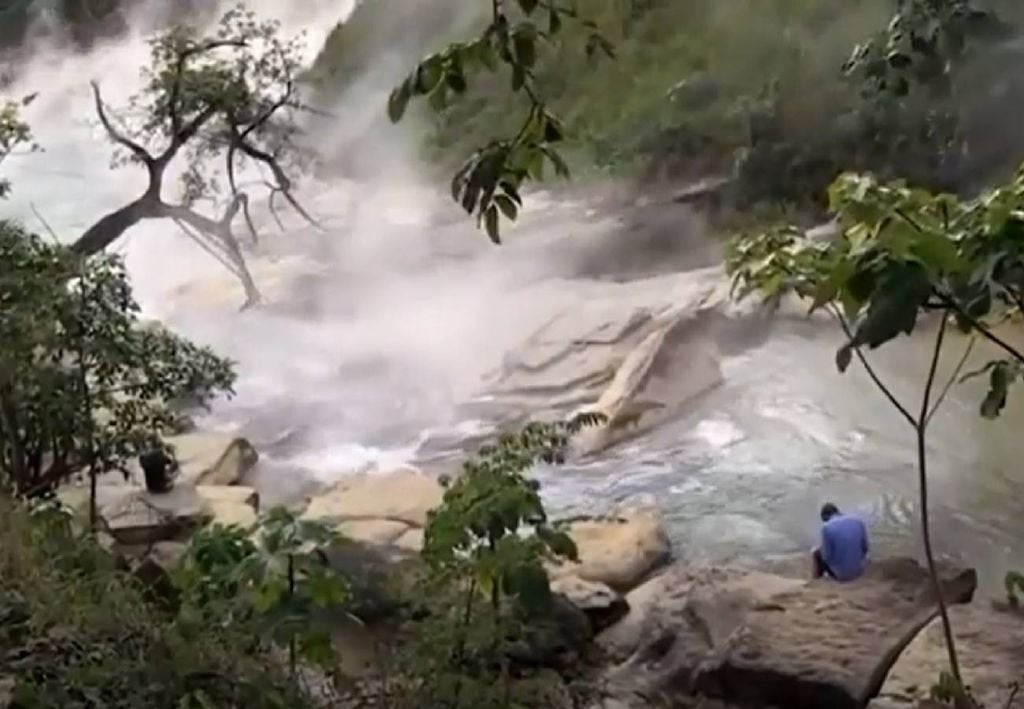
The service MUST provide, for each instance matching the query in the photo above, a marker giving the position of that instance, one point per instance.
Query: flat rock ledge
(755, 639)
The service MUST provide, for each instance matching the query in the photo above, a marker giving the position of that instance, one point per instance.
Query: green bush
(76, 632)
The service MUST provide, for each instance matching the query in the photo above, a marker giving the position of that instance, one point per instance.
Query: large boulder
(403, 496)
(138, 517)
(619, 551)
(755, 639)
(990, 649)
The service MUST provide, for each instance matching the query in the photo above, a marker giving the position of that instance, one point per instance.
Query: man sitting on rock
(843, 553)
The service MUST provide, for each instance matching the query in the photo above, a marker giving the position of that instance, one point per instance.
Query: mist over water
(413, 309)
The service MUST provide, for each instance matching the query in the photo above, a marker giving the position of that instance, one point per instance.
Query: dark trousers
(820, 568)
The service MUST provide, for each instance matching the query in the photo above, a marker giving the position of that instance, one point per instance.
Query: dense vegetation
(698, 88)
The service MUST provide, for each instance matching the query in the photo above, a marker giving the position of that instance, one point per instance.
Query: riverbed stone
(373, 531)
(405, 495)
(618, 551)
(139, 517)
(602, 605)
(230, 505)
(755, 639)
(990, 649)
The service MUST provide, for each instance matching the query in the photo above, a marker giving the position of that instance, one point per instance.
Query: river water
(403, 334)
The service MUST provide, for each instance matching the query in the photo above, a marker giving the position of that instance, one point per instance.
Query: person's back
(844, 545)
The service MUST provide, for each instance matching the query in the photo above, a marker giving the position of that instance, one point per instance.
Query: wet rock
(602, 606)
(153, 570)
(231, 505)
(373, 531)
(662, 605)
(755, 639)
(411, 541)
(138, 517)
(990, 648)
(618, 551)
(673, 364)
(404, 495)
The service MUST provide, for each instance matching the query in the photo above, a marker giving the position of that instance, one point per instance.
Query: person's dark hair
(828, 511)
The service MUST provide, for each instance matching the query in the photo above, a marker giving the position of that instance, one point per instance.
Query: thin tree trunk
(111, 227)
(922, 470)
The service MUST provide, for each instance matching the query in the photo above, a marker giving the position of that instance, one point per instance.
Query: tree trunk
(112, 226)
(922, 473)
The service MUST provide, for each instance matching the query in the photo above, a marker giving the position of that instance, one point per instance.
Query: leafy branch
(903, 254)
(489, 183)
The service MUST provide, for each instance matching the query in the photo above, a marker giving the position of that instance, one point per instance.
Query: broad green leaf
(491, 220)
(528, 6)
(507, 206)
(844, 355)
(398, 101)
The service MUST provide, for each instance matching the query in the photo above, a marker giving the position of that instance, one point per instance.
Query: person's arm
(826, 545)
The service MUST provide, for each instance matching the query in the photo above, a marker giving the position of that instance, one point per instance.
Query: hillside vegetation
(754, 88)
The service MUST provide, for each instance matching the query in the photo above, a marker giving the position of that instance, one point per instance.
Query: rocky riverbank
(663, 633)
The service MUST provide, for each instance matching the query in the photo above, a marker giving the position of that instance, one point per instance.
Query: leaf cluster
(901, 252)
(489, 182)
(922, 45)
(14, 133)
(273, 581)
(76, 632)
(82, 381)
(479, 527)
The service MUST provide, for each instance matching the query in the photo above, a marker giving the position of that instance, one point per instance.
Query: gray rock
(602, 606)
(756, 639)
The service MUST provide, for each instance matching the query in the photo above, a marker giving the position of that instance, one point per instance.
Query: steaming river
(740, 477)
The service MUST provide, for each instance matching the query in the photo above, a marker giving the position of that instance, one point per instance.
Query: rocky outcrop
(388, 509)
(137, 517)
(756, 639)
(990, 648)
(618, 551)
(206, 458)
(639, 351)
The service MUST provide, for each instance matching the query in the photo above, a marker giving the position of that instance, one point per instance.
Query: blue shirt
(844, 546)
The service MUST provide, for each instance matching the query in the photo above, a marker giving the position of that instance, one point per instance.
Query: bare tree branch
(117, 136)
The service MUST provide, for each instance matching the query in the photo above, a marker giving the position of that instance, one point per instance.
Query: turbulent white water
(414, 316)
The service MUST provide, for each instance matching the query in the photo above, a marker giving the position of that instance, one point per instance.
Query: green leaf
(398, 101)
(491, 221)
(894, 306)
(525, 48)
(1000, 378)
(438, 98)
(518, 77)
(554, 21)
(429, 75)
(529, 582)
(844, 356)
(507, 206)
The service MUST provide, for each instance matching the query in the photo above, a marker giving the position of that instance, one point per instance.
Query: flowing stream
(417, 310)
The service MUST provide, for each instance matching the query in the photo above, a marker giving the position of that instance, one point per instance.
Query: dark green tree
(84, 385)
